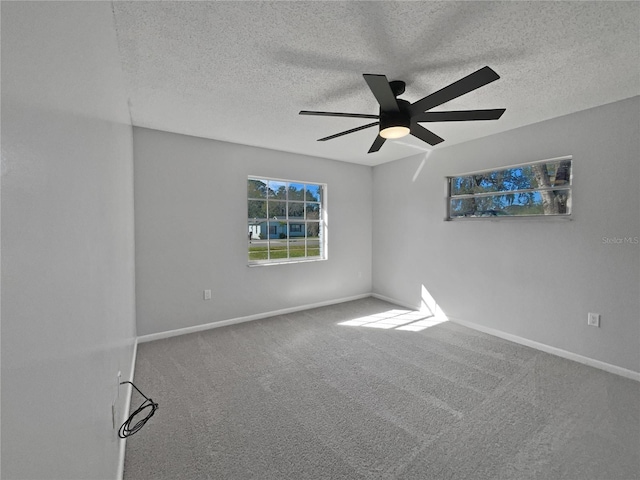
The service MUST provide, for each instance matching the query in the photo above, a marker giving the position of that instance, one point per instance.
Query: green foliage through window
(534, 189)
(286, 220)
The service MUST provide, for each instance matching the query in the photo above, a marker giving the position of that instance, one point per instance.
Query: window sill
(528, 218)
(268, 263)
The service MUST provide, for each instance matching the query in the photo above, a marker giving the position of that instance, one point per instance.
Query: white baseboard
(127, 409)
(497, 333)
(223, 323)
(607, 367)
(396, 302)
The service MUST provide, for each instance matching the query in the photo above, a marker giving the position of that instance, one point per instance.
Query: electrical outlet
(593, 319)
(207, 294)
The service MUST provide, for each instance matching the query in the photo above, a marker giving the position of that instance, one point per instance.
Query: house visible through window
(286, 220)
(533, 189)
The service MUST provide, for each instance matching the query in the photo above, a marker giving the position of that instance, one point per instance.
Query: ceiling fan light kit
(398, 118)
(394, 132)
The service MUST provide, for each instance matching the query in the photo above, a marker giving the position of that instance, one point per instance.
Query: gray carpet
(300, 396)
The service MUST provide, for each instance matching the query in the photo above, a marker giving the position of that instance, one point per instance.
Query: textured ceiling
(241, 71)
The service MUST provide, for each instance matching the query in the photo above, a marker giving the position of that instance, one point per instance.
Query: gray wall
(191, 232)
(535, 279)
(68, 304)
(68, 313)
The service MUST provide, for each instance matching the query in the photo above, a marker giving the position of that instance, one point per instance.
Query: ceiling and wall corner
(241, 71)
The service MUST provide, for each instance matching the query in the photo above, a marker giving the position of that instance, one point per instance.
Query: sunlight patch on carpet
(429, 315)
(408, 320)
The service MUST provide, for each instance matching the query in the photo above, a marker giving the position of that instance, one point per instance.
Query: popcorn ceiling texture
(241, 71)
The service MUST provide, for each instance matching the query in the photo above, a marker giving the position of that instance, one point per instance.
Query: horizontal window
(286, 221)
(534, 189)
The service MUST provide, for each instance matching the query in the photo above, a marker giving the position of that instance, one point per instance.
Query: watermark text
(620, 240)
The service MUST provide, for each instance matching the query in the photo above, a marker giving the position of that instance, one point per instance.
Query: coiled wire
(126, 430)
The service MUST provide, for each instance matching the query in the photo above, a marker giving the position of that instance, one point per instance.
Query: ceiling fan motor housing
(397, 87)
(401, 118)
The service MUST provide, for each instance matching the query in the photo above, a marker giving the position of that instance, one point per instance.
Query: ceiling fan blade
(377, 143)
(338, 114)
(381, 89)
(425, 135)
(459, 116)
(467, 84)
(348, 131)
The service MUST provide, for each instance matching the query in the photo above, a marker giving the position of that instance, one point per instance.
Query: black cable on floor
(126, 430)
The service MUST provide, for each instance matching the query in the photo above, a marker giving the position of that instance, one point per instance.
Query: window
(533, 189)
(286, 221)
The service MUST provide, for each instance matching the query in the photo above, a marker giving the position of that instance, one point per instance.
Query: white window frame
(568, 187)
(322, 224)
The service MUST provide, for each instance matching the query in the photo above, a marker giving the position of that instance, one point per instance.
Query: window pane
(504, 180)
(277, 230)
(313, 229)
(296, 191)
(296, 230)
(257, 246)
(258, 250)
(537, 175)
(278, 249)
(278, 210)
(254, 230)
(297, 248)
(256, 188)
(552, 202)
(314, 193)
(257, 209)
(313, 211)
(313, 247)
(277, 189)
(559, 173)
(296, 210)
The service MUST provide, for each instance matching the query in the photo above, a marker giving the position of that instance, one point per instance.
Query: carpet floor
(367, 390)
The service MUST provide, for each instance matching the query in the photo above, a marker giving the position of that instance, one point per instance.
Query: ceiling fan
(398, 117)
